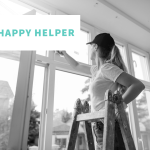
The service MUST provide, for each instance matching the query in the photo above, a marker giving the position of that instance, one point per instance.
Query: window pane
(143, 110)
(68, 88)
(81, 55)
(36, 106)
(138, 63)
(8, 80)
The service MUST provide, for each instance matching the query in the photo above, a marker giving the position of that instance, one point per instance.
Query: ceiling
(128, 20)
(137, 9)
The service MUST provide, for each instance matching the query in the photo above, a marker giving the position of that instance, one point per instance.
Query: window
(81, 54)
(138, 62)
(143, 111)
(61, 142)
(68, 88)
(8, 80)
(64, 142)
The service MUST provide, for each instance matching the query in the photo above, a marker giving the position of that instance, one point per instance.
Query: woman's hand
(116, 109)
(133, 85)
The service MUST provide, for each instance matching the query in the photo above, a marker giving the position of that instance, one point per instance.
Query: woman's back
(102, 80)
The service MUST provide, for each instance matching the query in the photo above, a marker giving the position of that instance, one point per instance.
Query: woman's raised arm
(75, 64)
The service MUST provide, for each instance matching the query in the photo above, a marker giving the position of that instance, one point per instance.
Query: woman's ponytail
(116, 59)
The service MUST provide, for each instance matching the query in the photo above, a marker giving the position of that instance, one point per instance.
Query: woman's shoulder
(108, 66)
(111, 71)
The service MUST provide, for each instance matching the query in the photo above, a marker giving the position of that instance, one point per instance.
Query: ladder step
(94, 116)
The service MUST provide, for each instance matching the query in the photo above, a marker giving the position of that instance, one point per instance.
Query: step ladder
(82, 113)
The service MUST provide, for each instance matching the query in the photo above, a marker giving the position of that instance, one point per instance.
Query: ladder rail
(109, 122)
(125, 128)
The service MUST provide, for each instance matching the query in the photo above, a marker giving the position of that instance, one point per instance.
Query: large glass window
(8, 80)
(81, 54)
(140, 66)
(68, 88)
(143, 110)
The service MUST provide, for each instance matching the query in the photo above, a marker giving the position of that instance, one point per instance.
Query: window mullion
(50, 105)
(20, 104)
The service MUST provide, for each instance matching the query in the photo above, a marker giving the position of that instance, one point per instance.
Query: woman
(108, 73)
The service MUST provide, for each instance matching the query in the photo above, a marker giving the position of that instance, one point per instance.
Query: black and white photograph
(96, 97)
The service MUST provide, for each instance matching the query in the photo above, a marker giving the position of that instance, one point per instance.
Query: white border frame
(44, 6)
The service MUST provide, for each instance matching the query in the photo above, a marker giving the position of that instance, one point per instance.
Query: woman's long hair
(116, 58)
(113, 56)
